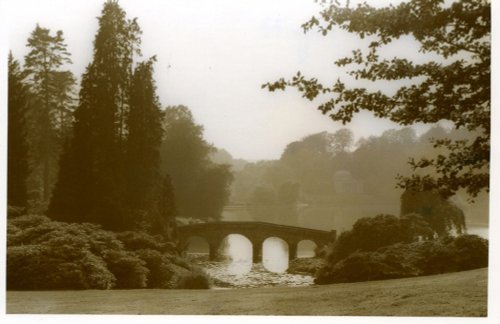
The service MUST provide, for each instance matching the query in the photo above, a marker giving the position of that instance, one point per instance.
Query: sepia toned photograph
(323, 158)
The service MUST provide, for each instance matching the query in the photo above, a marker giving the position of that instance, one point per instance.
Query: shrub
(99, 241)
(436, 257)
(182, 262)
(65, 266)
(45, 254)
(471, 251)
(128, 269)
(27, 221)
(372, 233)
(360, 266)
(15, 211)
(194, 279)
(160, 274)
(443, 255)
(139, 240)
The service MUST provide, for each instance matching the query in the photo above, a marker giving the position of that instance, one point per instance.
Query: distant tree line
(330, 168)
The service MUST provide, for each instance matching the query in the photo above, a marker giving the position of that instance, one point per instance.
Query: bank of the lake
(454, 294)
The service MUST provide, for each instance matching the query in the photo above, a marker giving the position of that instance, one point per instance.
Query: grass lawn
(454, 294)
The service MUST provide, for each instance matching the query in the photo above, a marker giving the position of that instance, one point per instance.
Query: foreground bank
(454, 294)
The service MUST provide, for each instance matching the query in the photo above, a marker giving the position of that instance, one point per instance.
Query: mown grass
(454, 294)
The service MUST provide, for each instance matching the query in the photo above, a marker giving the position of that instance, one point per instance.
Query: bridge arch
(237, 246)
(306, 249)
(275, 254)
(239, 250)
(196, 244)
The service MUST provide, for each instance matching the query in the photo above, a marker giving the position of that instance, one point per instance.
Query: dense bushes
(409, 259)
(371, 233)
(386, 246)
(44, 254)
(33, 267)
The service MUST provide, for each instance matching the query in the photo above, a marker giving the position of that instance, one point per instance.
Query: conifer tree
(143, 143)
(17, 156)
(71, 199)
(109, 171)
(163, 220)
(49, 84)
(93, 191)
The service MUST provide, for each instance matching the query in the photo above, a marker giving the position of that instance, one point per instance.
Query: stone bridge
(256, 232)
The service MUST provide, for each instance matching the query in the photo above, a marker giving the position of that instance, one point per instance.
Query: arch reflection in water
(238, 250)
(275, 254)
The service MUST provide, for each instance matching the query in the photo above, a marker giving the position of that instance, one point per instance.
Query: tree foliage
(109, 171)
(442, 215)
(454, 87)
(17, 155)
(145, 190)
(201, 187)
(371, 233)
(51, 112)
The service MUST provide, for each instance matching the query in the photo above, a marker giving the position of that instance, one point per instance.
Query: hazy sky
(213, 56)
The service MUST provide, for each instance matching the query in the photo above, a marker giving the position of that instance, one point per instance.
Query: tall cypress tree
(17, 156)
(149, 196)
(144, 137)
(92, 182)
(72, 195)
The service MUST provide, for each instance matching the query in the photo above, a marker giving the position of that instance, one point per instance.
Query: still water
(479, 230)
(236, 270)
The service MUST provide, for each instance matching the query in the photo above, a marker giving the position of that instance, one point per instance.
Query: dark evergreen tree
(64, 104)
(52, 88)
(17, 156)
(143, 144)
(72, 196)
(94, 190)
(164, 215)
